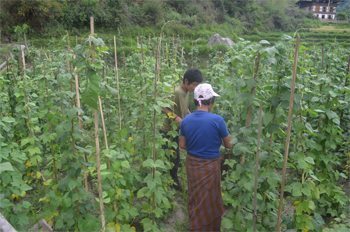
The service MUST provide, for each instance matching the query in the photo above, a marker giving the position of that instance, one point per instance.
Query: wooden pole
(257, 167)
(289, 129)
(5, 226)
(155, 93)
(98, 162)
(92, 26)
(118, 87)
(252, 92)
(80, 120)
(104, 129)
(322, 56)
(77, 98)
(98, 170)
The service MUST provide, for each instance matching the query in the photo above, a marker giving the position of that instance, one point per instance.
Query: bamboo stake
(78, 105)
(252, 92)
(104, 129)
(155, 93)
(322, 57)
(289, 128)
(118, 96)
(345, 85)
(257, 166)
(118, 87)
(23, 58)
(77, 98)
(5, 226)
(143, 82)
(92, 26)
(98, 162)
(98, 170)
(26, 101)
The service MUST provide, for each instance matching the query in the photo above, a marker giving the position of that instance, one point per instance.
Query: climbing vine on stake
(289, 128)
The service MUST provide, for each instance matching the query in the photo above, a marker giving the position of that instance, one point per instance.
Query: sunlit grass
(330, 28)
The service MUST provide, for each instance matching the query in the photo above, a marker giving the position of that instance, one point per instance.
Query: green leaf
(6, 167)
(264, 42)
(28, 140)
(34, 150)
(295, 189)
(112, 90)
(227, 224)
(90, 95)
(312, 205)
(149, 163)
(267, 118)
(8, 119)
(309, 160)
(125, 164)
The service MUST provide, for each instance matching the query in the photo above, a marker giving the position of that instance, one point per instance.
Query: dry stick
(104, 129)
(289, 128)
(99, 178)
(142, 91)
(256, 174)
(77, 97)
(118, 96)
(26, 101)
(80, 123)
(80, 120)
(322, 57)
(252, 92)
(155, 89)
(98, 163)
(117, 77)
(345, 84)
(23, 58)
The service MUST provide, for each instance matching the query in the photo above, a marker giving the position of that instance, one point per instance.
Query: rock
(218, 39)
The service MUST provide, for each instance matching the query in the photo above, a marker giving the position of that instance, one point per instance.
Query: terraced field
(324, 35)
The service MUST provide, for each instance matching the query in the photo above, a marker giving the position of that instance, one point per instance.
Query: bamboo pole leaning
(98, 162)
(252, 92)
(257, 167)
(104, 129)
(289, 129)
(117, 78)
(78, 106)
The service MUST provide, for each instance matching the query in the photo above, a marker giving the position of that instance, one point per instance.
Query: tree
(343, 10)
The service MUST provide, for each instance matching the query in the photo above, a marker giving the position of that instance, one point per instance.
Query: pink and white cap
(204, 92)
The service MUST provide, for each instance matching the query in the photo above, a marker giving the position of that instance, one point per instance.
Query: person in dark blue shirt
(201, 135)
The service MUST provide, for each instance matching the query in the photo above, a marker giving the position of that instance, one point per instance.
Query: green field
(59, 163)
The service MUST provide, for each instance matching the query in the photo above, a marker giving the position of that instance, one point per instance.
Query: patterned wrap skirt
(205, 205)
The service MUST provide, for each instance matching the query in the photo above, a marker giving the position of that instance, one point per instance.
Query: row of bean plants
(50, 170)
(254, 75)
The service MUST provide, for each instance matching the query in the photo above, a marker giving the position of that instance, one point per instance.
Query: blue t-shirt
(203, 132)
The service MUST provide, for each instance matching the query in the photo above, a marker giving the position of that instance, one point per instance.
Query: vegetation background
(242, 16)
(47, 154)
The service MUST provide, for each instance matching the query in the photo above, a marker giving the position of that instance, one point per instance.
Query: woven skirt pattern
(205, 205)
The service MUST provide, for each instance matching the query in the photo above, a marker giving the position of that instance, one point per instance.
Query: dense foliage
(47, 158)
(245, 16)
(343, 10)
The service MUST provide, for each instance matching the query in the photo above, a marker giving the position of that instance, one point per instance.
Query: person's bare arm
(227, 141)
(182, 142)
(172, 115)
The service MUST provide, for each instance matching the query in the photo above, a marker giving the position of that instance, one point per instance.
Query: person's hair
(192, 75)
(204, 102)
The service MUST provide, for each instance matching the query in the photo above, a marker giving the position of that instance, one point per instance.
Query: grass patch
(331, 28)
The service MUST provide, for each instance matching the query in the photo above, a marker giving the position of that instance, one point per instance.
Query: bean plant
(47, 140)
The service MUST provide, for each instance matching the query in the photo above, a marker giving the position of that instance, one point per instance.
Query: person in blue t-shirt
(201, 135)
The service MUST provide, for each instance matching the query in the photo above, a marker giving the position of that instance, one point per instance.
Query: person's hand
(178, 119)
